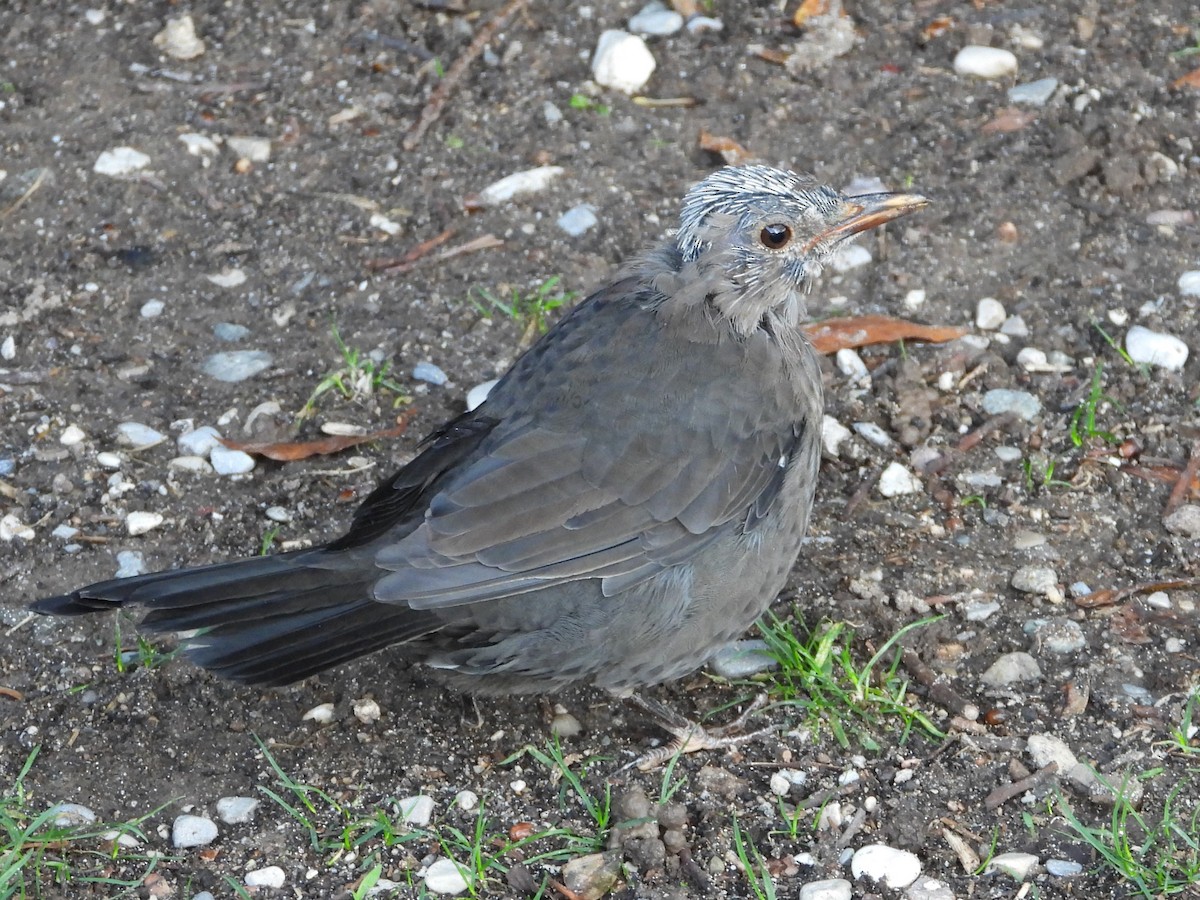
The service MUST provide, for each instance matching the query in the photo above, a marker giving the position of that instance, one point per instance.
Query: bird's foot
(689, 736)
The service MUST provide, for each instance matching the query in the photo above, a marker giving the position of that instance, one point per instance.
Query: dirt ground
(1077, 216)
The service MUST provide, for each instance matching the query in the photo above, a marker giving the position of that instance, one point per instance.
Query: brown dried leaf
(727, 148)
(1008, 120)
(778, 57)
(809, 9)
(290, 451)
(832, 335)
(937, 28)
(1190, 80)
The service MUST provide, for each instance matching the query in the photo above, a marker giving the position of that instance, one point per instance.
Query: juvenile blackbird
(628, 499)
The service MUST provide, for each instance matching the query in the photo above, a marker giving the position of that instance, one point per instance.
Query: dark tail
(267, 620)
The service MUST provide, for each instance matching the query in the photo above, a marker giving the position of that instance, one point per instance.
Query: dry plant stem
(437, 100)
(940, 691)
(1186, 477)
(1006, 792)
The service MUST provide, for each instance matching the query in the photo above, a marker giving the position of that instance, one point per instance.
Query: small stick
(413, 253)
(940, 691)
(1186, 477)
(1006, 792)
(437, 100)
(483, 242)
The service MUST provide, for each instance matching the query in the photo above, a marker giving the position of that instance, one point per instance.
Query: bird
(630, 497)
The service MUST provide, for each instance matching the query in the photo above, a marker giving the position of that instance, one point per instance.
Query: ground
(1077, 216)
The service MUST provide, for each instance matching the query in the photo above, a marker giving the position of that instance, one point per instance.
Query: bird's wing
(661, 456)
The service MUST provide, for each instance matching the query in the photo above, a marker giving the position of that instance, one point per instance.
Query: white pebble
(94, 16)
(8, 348)
(139, 522)
(277, 514)
(528, 181)
(197, 465)
(985, 62)
(551, 113)
(851, 365)
(1189, 283)
(178, 39)
(879, 862)
(237, 810)
(849, 256)
(199, 441)
(915, 298)
(827, 889)
(479, 393)
(193, 831)
(1033, 93)
(1041, 580)
(72, 435)
(428, 372)
(120, 162)
(367, 711)
(12, 528)
(416, 810)
(138, 436)
(871, 432)
(1184, 521)
(445, 876)
(656, 19)
(199, 144)
(71, 815)
(230, 462)
(129, 564)
(622, 61)
(269, 876)
(578, 219)
(1003, 400)
(384, 224)
(1155, 348)
(228, 278)
(1018, 866)
(780, 784)
(1010, 669)
(466, 800)
(64, 532)
(152, 309)
(1044, 749)
(989, 314)
(896, 481)
(254, 149)
(322, 714)
(1031, 359)
(833, 435)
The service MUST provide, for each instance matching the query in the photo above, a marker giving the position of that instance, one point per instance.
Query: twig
(413, 254)
(437, 100)
(1006, 792)
(1186, 477)
(29, 192)
(483, 242)
(938, 687)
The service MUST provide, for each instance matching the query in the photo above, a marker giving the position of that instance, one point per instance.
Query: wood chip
(831, 335)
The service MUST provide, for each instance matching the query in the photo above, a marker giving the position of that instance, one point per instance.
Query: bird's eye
(775, 237)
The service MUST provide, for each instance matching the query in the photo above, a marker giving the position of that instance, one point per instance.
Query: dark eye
(775, 237)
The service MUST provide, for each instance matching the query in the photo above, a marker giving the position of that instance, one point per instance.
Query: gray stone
(578, 219)
(1002, 400)
(236, 365)
(1033, 93)
(1184, 521)
(237, 810)
(428, 372)
(193, 831)
(1011, 668)
(742, 659)
(830, 889)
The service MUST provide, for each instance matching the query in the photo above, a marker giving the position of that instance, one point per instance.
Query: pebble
(829, 889)
(64, 532)
(12, 528)
(140, 522)
(1007, 454)
(985, 62)
(254, 149)
(1184, 521)
(622, 61)
(466, 800)
(989, 314)
(199, 441)
(71, 815)
(200, 145)
(850, 256)
(1033, 93)
(384, 224)
(1011, 668)
(230, 462)
(656, 19)
(237, 810)
(479, 393)
(551, 113)
(929, 889)
(139, 436)
(178, 39)
(427, 371)
(322, 714)
(152, 309)
(578, 219)
(228, 278)
(564, 725)
(236, 365)
(120, 162)
(1041, 580)
(850, 364)
(529, 181)
(1060, 636)
(268, 876)
(277, 514)
(416, 810)
(980, 610)
(1063, 868)
(743, 659)
(1027, 540)
(1015, 326)
(869, 431)
(72, 435)
(445, 876)
(879, 862)
(1002, 400)
(367, 711)
(1044, 749)
(1018, 866)
(700, 24)
(915, 299)
(8, 348)
(130, 563)
(896, 480)
(197, 465)
(833, 435)
(193, 831)
(228, 331)
(1189, 283)
(1155, 348)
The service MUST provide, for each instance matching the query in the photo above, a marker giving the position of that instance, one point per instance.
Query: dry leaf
(832, 335)
(727, 148)
(290, 451)
(809, 9)
(937, 28)
(1191, 79)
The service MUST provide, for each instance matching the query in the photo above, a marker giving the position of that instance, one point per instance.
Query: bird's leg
(689, 736)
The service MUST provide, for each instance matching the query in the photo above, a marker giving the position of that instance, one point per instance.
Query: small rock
(140, 522)
(700, 24)
(1018, 866)
(254, 149)
(12, 528)
(139, 436)
(230, 462)
(564, 725)
(656, 19)
(130, 563)
(178, 39)
(551, 113)
(64, 532)
(466, 800)
(849, 256)
(237, 810)
(1184, 521)
(1015, 326)
(1155, 348)
(228, 331)
(896, 481)
(829, 889)
(985, 62)
(236, 365)
(384, 224)
(322, 714)
(120, 162)
(833, 435)
(72, 435)
(1044, 749)
(1189, 283)
(196, 465)
(851, 365)
(268, 876)
(416, 810)
(873, 433)
(592, 877)
(989, 314)
(200, 145)
(1060, 636)
(929, 889)
(228, 278)
(8, 348)
(1011, 668)
(879, 862)
(193, 831)
(529, 181)
(152, 309)
(622, 61)
(743, 659)
(578, 219)
(71, 815)
(1063, 868)
(445, 876)
(427, 371)
(479, 393)
(367, 711)
(1003, 400)
(915, 299)
(199, 441)
(277, 514)
(1033, 93)
(1041, 580)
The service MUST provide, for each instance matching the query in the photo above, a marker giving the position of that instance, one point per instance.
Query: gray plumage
(629, 498)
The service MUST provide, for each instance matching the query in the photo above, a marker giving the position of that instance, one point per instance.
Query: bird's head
(757, 236)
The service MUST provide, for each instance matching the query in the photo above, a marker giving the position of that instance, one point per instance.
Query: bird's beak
(868, 211)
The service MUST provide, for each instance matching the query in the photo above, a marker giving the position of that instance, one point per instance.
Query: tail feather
(266, 620)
